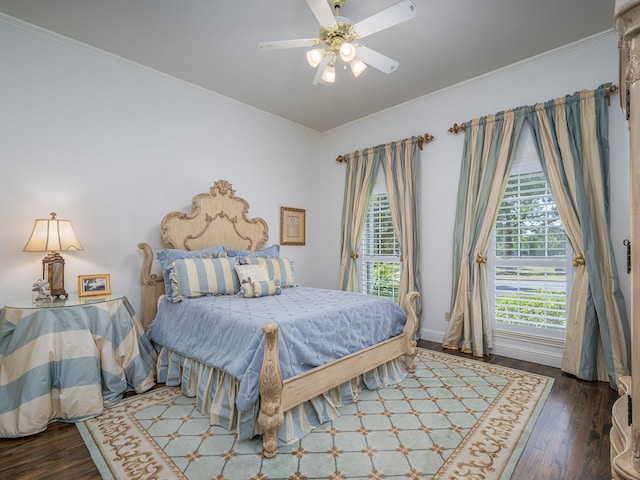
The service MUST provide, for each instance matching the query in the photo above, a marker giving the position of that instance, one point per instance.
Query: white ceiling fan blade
(375, 59)
(322, 12)
(317, 80)
(279, 44)
(400, 12)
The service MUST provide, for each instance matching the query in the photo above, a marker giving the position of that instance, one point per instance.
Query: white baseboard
(530, 348)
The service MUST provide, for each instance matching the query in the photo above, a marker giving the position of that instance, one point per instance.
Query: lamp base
(53, 272)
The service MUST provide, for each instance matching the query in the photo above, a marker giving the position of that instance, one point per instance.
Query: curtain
(360, 178)
(400, 163)
(401, 169)
(489, 146)
(571, 136)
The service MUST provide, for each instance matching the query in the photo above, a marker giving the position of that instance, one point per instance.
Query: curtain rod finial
(341, 159)
(457, 128)
(426, 138)
(609, 90)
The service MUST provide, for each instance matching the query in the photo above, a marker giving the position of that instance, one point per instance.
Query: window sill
(547, 341)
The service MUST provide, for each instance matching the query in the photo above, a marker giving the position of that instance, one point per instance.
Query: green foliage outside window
(383, 279)
(541, 308)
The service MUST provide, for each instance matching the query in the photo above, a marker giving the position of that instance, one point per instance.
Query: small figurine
(41, 292)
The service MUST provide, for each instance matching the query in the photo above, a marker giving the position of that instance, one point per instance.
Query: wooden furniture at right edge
(625, 421)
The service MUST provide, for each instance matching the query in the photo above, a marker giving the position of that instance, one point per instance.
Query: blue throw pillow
(272, 251)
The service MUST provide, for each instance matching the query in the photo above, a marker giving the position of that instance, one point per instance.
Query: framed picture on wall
(292, 226)
(96, 284)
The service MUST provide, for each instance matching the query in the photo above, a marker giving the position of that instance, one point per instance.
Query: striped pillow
(259, 289)
(280, 269)
(198, 277)
(167, 256)
(270, 287)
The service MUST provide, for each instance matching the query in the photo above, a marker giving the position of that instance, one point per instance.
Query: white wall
(114, 147)
(585, 65)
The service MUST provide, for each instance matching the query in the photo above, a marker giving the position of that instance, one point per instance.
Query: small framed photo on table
(292, 226)
(96, 284)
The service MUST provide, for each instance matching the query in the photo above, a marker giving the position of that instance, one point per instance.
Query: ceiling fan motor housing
(336, 36)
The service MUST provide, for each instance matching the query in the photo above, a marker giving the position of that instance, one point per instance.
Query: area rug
(454, 418)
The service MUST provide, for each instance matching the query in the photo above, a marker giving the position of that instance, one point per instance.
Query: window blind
(530, 255)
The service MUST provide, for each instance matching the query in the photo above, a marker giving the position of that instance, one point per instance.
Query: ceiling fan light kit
(337, 36)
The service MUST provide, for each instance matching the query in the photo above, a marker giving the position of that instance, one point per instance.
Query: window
(530, 257)
(379, 250)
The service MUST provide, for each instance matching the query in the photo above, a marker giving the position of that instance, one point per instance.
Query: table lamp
(53, 235)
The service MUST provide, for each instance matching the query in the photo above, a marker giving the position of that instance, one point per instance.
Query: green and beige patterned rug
(454, 418)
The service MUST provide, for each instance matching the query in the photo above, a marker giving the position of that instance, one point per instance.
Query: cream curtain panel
(401, 170)
(572, 140)
(489, 146)
(400, 163)
(360, 178)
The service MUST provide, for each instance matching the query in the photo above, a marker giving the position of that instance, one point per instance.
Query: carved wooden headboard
(218, 217)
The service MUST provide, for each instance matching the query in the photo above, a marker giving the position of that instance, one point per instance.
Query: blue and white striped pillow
(167, 256)
(262, 289)
(198, 277)
(251, 289)
(280, 269)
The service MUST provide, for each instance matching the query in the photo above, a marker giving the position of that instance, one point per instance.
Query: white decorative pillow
(251, 273)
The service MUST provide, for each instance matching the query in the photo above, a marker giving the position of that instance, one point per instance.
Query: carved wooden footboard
(278, 396)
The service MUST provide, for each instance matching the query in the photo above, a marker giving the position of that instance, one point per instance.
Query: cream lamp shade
(53, 235)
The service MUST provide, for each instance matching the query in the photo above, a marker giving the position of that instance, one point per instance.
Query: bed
(270, 388)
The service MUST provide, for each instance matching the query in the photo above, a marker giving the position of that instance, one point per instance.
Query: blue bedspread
(315, 327)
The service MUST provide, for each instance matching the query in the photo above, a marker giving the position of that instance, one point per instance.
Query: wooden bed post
(410, 329)
(270, 417)
(152, 286)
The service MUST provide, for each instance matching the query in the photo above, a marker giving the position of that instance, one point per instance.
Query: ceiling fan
(337, 36)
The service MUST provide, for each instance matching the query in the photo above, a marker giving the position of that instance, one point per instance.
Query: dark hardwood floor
(569, 441)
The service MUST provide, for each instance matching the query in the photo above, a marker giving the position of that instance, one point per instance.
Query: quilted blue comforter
(315, 327)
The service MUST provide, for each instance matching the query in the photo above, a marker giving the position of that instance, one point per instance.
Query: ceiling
(213, 44)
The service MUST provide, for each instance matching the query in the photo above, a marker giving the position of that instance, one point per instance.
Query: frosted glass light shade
(357, 67)
(329, 74)
(314, 57)
(347, 52)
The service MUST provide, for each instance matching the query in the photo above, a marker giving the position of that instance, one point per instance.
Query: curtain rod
(455, 128)
(422, 139)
